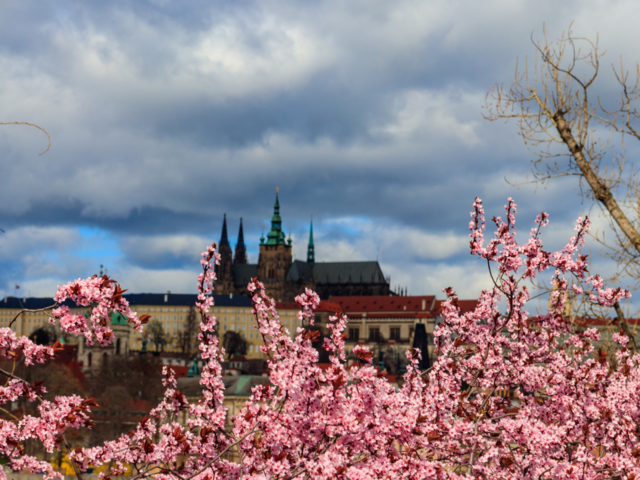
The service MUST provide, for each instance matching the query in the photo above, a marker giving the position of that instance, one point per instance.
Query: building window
(354, 334)
(271, 273)
(374, 334)
(394, 333)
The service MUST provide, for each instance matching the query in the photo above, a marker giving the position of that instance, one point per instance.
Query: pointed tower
(311, 255)
(276, 236)
(224, 238)
(224, 274)
(241, 249)
(275, 256)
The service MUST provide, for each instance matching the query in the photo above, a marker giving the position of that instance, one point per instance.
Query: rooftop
(386, 304)
(164, 299)
(465, 306)
(324, 306)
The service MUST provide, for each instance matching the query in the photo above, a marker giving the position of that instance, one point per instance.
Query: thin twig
(32, 125)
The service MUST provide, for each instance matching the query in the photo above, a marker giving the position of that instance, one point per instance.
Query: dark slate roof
(182, 299)
(299, 270)
(30, 303)
(348, 272)
(173, 299)
(242, 274)
(337, 272)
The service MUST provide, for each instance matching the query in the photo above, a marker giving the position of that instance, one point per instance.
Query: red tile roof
(385, 304)
(324, 306)
(465, 306)
(394, 315)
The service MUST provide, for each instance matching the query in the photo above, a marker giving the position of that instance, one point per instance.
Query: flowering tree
(570, 413)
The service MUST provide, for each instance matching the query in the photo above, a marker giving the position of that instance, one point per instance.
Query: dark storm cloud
(165, 115)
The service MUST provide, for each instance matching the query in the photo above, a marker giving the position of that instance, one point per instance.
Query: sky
(368, 115)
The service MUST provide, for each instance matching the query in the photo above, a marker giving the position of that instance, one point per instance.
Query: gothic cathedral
(285, 278)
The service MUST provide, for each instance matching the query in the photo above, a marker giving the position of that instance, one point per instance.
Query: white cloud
(357, 109)
(467, 279)
(369, 239)
(422, 115)
(140, 280)
(32, 241)
(150, 250)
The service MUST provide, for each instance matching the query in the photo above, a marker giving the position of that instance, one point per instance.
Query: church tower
(275, 256)
(224, 274)
(241, 249)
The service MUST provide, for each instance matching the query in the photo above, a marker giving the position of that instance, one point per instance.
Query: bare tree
(157, 334)
(561, 123)
(125, 389)
(234, 344)
(187, 336)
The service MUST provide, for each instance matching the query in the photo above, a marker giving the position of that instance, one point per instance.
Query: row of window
(374, 334)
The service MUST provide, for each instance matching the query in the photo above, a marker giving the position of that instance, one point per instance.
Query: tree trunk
(604, 196)
(600, 190)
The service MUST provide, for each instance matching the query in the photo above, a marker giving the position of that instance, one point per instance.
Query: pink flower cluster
(509, 396)
(10, 345)
(103, 295)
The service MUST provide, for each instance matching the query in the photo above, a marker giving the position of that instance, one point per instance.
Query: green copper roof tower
(118, 319)
(311, 255)
(194, 370)
(276, 235)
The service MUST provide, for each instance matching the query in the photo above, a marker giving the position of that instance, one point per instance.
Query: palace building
(285, 278)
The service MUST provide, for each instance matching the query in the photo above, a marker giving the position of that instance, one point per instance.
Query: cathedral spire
(224, 274)
(276, 235)
(311, 256)
(224, 239)
(241, 249)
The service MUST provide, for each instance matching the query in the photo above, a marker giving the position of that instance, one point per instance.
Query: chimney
(166, 297)
(424, 304)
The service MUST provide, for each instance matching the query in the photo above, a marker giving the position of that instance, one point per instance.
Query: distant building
(387, 324)
(93, 357)
(285, 278)
(233, 313)
(386, 319)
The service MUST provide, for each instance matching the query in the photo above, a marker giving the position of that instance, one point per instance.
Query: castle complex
(285, 278)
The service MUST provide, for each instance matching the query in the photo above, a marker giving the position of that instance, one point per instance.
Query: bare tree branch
(32, 125)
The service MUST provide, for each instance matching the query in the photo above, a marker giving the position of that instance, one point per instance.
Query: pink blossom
(509, 396)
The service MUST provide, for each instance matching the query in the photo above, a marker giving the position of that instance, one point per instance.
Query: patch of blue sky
(97, 243)
(353, 225)
(49, 255)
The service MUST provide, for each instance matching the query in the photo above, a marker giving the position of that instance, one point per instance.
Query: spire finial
(277, 190)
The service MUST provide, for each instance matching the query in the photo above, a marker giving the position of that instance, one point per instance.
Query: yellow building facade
(233, 313)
